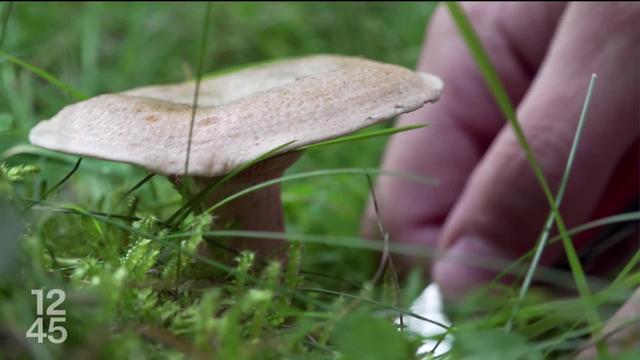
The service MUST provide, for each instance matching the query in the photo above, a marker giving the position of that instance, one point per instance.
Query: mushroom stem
(259, 210)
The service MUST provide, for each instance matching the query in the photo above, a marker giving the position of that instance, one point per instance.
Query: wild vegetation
(137, 288)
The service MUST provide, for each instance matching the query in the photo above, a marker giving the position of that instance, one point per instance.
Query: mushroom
(240, 115)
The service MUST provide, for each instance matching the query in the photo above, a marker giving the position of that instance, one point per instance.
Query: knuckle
(549, 145)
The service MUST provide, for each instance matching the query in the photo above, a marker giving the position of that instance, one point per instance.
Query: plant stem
(544, 236)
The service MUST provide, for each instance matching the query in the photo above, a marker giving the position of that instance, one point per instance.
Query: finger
(464, 122)
(612, 244)
(502, 209)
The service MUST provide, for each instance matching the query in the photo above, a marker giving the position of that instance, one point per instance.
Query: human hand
(488, 203)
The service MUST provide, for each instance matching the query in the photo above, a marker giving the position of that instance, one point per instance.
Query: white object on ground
(429, 305)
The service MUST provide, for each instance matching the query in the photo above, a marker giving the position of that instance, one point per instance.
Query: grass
(137, 287)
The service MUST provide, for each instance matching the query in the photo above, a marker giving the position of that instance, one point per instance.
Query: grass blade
(26, 149)
(378, 304)
(203, 48)
(366, 135)
(385, 258)
(309, 174)
(628, 268)
(73, 212)
(135, 187)
(46, 76)
(64, 179)
(56, 186)
(544, 236)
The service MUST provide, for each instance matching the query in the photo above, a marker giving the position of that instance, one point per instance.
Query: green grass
(137, 287)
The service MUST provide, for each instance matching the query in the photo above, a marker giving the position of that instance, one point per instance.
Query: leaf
(362, 336)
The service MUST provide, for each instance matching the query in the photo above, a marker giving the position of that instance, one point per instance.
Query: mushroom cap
(240, 115)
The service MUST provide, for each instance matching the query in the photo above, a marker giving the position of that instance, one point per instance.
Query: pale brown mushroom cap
(240, 115)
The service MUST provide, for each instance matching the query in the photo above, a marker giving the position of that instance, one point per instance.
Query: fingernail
(461, 269)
